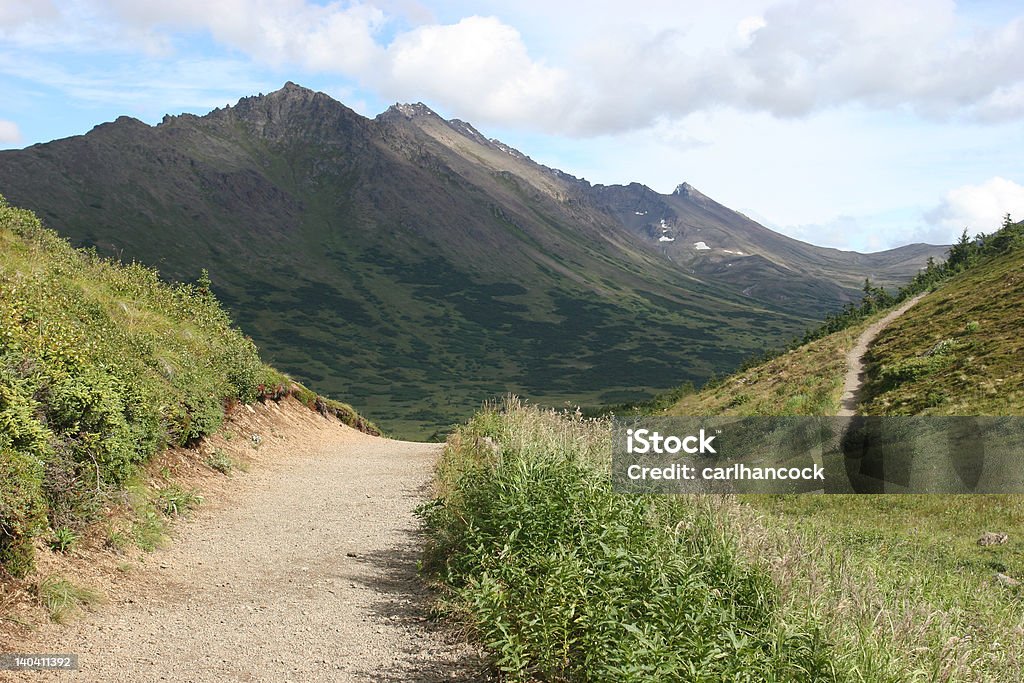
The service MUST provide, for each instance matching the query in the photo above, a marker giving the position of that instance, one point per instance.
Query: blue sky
(855, 124)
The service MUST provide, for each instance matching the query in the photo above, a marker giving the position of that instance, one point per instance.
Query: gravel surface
(854, 380)
(308, 572)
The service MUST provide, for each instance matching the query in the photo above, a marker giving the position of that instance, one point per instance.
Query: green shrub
(219, 461)
(63, 540)
(101, 366)
(564, 580)
(22, 509)
(23, 450)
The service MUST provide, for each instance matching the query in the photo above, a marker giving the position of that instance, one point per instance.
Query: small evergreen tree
(959, 253)
(1007, 237)
(204, 283)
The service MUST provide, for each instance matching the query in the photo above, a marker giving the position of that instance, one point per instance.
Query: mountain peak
(410, 111)
(688, 191)
(293, 111)
(291, 86)
(289, 91)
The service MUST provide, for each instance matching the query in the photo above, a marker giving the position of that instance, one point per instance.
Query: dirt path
(854, 380)
(307, 574)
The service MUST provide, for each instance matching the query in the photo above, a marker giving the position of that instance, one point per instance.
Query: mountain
(417, 267)
(717, 243)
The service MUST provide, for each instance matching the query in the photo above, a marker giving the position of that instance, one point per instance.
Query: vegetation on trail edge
(101, 366)
(564, 580)
(561, 579)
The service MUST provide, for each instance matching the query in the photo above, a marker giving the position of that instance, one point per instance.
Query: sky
(856, 124)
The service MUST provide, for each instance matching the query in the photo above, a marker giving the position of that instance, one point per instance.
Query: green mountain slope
(958, 351)
(417, 267)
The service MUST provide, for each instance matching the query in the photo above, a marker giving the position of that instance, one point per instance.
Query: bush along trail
(564, 580)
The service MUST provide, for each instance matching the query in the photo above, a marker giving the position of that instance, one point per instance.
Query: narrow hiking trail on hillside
(854, 380)
(307, 571)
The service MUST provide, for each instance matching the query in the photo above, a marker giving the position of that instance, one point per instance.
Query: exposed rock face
(688, 191)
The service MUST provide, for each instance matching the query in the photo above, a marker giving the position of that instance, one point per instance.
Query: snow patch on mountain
(512, 151)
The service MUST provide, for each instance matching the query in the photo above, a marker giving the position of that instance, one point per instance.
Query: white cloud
(332, 37)
(612, 70)
(748, 26)
(9, 132)
(479, 65)
(918, 54)
(978, 208)
(18, 13)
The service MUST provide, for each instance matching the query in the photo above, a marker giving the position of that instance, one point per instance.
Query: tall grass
(61, 598)
(564, 580)
(899, 581)
(561, 579)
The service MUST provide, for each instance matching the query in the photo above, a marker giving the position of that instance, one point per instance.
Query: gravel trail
(854, 380)
(307, 573)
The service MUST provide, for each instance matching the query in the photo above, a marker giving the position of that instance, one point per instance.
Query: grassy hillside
(880, 587)
(101, 366)
(956, 352)
(807, 380)
(959, 351)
